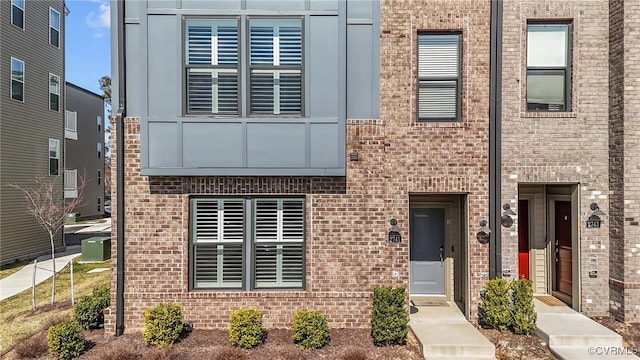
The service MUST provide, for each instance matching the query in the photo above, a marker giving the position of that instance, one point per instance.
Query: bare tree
(46, 202)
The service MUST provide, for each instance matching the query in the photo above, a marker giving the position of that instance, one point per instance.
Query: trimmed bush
(162, 325)
(523, 312)
(389, 317)
(496, 302)
(310, 329)
(65, 340)
(88, 311)
(245, 328)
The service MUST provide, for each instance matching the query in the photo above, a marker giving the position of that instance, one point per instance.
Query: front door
(563, 247)
(426, 251)
(523, 239)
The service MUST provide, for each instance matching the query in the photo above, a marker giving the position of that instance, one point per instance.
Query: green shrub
(245, 328)
(389, 317)
(310, 329)
(65, 340)
(523, 313)
(162, 325)
(496, 301)
(88, 311)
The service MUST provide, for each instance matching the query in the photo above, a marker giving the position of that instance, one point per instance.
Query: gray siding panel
(276, 145)
(161, 4)
(25, 127)
(275, 4)
(324, 145)
(361, 10)
(207, 4)
(134, 70)
(163, 144)
(360, 67)
(323, 63)
(164, 64)
(212, 145)
(324, 5)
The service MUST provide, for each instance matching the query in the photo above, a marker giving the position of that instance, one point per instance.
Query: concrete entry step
(571, 335)
(444, 333)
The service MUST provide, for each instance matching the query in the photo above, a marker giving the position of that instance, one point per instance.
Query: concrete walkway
(445, 333)
(23, 279)
(573, 336)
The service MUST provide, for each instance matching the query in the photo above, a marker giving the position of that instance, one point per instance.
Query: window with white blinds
(220, 245)
(275, 62)
(272, 70)
(439, 77)
(279, 240)
(212, 66)
(548, 67)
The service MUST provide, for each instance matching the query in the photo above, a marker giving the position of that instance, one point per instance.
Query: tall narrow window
(17, 79)
(212, 66)
(99, 203)
(99, 177)
(99, 121)
(548, 67)
(54, 157)
(17, 13)
(54, 27)
(439, 77)
(99, 150)
(279, 243)
(54, 92)
(275, 66)
(217, 243)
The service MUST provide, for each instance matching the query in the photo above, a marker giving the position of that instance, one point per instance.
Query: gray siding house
(84, 150)
(31, 116)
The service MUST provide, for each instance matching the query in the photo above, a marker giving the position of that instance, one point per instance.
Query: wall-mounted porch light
(506, 220)
(484, 234)
(596, 210)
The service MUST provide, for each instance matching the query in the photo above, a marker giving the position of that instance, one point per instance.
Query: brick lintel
(624, 285)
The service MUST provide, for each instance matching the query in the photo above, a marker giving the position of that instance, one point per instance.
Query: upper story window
(17, 79)
(439, 77)
(54, 92)
(99, 177)
(273, 69)
(99, 150)
(54, 27)
(17, 13)
(54, 157)
(99, 121)
(548, 67)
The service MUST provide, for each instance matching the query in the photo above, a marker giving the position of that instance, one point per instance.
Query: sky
(88, 41)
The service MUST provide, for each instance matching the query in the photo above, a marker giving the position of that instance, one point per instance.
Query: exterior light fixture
(394, 232)
(484, 234)
(506, 220)
(596, 210)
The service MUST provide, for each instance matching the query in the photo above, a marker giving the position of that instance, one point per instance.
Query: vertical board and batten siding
(25, 127)
(82, 153)
(173, 143)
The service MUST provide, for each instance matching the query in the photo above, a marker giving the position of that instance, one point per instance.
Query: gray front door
(426, 251)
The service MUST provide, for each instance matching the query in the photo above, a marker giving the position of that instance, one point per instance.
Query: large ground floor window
(247, 243)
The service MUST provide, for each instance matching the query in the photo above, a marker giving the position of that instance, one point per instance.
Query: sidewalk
(23, 279)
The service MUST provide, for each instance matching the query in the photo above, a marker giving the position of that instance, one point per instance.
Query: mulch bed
(630, 332)
(510, 346)
(347, 344)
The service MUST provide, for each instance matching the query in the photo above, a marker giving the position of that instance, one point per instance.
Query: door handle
(441, 254)
(555, 254)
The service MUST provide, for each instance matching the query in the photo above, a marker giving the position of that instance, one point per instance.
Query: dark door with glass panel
(426, 251)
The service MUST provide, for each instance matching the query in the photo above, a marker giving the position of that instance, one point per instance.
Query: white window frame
(14, 4)
(55, 144)
(54, 27)
(99, 121)
(99, 149)
(71, 125)
(17, 80)
(254, 237)
(56, 93)
(71, 184)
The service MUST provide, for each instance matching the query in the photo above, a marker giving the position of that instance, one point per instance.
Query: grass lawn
(8, 269)
(16, 318)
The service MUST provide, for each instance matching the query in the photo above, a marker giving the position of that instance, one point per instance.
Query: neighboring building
(85, 150)
(31, 117)
(277, 150)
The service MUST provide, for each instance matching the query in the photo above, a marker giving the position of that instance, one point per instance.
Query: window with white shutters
(271, 72)
(212, 66)
(548, 67)
(220, 245)
(275, 61)
(439, 77)
(217, 243)
(279, 239)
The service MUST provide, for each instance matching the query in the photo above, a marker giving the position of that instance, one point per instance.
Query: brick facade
(347, 253)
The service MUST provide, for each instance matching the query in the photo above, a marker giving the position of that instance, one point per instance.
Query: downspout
(120, 169)
(495, 128)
